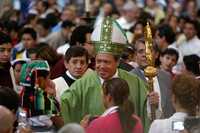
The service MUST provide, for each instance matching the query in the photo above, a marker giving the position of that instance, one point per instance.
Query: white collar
(72, 77)
(179, 116)
(193, 39)
(114, 76)
(110, 110)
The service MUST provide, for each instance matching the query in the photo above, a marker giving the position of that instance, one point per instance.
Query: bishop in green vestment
(85, 95)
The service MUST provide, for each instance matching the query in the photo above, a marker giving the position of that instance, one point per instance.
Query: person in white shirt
(190, 46)
(185, 98)
(192, 43)
(128, 19)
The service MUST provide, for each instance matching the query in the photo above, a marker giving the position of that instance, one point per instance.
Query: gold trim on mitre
(106, 44)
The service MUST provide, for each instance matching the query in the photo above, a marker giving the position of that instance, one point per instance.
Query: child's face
(17, 71)
(77, 66)
(167, 62)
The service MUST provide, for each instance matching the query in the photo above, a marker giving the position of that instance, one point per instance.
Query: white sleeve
(155, 127)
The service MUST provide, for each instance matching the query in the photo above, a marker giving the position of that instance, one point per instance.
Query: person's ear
(109, 98)
(173, 99)
(78, 44)
(161, 59)
(66, 64)
(164, 38)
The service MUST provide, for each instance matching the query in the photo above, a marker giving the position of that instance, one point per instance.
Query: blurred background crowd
(48, 29)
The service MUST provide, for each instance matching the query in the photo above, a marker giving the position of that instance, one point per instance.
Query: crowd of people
(80, 66)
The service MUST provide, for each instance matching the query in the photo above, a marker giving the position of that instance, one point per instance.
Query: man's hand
(50, 87)
(153, 98)
(85, 121)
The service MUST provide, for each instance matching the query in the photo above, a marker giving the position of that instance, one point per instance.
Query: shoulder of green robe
(90, 78)
(126, 74)
(130, 77)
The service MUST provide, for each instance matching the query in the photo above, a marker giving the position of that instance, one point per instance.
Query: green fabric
(84, 97)
(112, 48)
(106, 44)
(39, 101)
(28, 68)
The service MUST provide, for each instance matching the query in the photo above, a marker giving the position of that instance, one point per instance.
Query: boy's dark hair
(76, 51)
(4, 38)
(192, 64)
(52, 19)
(45, 4)
(79, 35)
(11, 26)
(44, 23)
(67, 24)
(167, 32)
(170, 51)
(9, 98)
(45, 52)
(29, 31)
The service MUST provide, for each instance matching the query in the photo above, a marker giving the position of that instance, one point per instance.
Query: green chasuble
(85, 97)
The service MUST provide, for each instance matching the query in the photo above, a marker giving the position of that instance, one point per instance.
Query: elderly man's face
(141, 55)
(106, 65)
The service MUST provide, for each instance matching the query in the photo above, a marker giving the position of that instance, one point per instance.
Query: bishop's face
(106, 65)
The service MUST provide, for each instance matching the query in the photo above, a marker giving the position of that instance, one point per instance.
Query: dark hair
(155, 48)
(139, 22)
(192, 124)
(167, 32)
(44, 23)
(11, 26)
(192, 63)
(29, 31)
(118, 89)
(67, 24)
(186, 90)
(195, 23)
(21, 62)
(44, 4)
(30, 17)
(170, 51)
(76, 51)
(52, 19)
(79, 35)
(4, 38)
(9, 98)
(142, 40)
(127, 52)
(46, 52)
(38, 73)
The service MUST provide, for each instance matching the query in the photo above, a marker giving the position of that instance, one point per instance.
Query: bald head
(6, 120)
(72, 128)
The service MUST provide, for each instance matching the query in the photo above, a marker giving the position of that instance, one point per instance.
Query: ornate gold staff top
(150, 71)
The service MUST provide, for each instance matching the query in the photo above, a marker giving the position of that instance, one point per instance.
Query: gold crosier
(150, 71)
